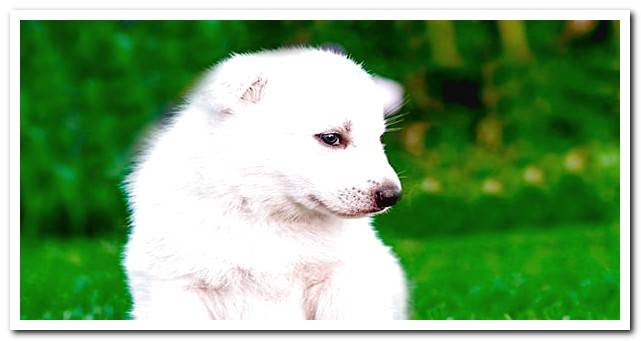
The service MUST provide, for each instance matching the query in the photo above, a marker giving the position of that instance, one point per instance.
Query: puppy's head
(304, 129)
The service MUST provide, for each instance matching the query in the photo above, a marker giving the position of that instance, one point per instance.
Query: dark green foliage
(90, 88)
(428, 214)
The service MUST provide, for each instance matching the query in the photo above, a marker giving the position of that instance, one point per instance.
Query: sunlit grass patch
(72, 279)
(567, 272)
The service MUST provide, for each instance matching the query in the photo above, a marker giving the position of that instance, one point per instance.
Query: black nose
(387, 196)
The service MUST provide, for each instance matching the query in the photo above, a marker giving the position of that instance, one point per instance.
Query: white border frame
(625, 167)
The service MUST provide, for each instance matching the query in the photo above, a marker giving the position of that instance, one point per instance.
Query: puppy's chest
(251, 294)
(291, 293)
(269, 257)
(286, 279)
(283, 264)
(276, 272)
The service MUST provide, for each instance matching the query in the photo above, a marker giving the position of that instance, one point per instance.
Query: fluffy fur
(240, 211)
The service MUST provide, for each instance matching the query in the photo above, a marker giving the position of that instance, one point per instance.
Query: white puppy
(254, 201)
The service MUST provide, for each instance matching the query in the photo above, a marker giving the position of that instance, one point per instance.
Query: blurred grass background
(508, 152)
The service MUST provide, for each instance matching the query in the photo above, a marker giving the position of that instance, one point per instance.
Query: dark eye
(330, 139)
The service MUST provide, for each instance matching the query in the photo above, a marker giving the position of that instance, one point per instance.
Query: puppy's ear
(392, 94)
(334, 48)
(254, 93)
(231, 86)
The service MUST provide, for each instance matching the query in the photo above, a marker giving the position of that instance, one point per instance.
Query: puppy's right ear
(231, 86)
(391, 93)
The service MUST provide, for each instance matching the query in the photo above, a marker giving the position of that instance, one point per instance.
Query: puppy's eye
(330, 139)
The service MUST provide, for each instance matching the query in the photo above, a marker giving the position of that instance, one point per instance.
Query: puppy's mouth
(346, 214)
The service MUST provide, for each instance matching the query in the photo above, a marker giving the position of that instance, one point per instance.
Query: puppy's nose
(387, 195)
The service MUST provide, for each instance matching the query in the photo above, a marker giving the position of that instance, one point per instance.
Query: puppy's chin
(319, 205)
(361, 214)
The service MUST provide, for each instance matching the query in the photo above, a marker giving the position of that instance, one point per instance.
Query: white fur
(240, 212)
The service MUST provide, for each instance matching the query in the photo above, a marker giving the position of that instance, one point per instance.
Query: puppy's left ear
(391, 92)
(254, 92)
(231, 86)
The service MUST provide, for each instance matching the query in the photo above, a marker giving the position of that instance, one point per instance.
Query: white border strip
(348, 14)
(14, 170)
(14, 176)
(625, 152)
(324, 325)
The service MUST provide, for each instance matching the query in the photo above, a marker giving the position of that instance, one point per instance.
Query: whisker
(395, 119)
(389, 130)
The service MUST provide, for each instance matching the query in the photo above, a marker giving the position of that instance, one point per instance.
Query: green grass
(561, 272)
(72, 279)
(565, 272)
